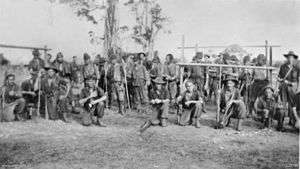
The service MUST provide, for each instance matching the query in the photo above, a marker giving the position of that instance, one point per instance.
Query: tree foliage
(149, 22)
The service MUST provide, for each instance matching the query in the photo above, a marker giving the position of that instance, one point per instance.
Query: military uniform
(117, 75)
(265, 107)
(74, 70)
(129, 78)
(63, 68)
(49, 87)
(160, 109)
(36, 64)
(235, 110)
(288, 91)
(139, 83)
(92, 110)
(90, 70)
(29, 85)
(197, 75)
(191, 113)
(171, 73)
(14, 104)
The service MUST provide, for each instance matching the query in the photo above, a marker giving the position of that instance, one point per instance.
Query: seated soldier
(231, 104)
(30, 90)
(92, 100)
(191, 103)
(12, 99)
(265, 106)
(159, 99)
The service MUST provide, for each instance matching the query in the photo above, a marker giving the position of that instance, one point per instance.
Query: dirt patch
(54, 144)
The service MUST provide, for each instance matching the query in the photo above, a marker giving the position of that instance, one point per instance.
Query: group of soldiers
(56, 89)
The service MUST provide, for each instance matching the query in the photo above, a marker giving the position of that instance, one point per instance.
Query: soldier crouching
(231, 104)
(159, 98)
(191, 103)
(92, 100)
(12, 100)
(265, 106)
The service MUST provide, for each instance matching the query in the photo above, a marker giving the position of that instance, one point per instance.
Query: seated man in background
(92, 100)
(265, 106)
(190, 102)
(159, 99)
(12, 101)
(231, 103)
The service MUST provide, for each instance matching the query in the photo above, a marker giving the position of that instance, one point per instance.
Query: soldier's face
(51, 72)
(90, 83)
(230, 84)
(291, 59)
(11, 80)
(268, 93)
(59, 58)
(75, 59)
(189, 86)
(158, 86)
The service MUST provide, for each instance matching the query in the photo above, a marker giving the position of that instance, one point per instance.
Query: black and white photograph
(149, 84)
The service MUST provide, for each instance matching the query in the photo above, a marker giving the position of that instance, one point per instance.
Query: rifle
(105, 79)
(219, 97)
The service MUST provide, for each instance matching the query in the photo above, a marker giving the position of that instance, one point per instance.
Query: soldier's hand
(93, 94)
(11, 93)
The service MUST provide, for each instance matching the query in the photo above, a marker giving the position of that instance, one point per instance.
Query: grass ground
(53, 144)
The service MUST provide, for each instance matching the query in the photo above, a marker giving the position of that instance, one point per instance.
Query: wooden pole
(228, 66)
(219, 97)
(270, 64)
(266, 54)
(23, 47)
(181, 78)
(219, 47)
(196, 48)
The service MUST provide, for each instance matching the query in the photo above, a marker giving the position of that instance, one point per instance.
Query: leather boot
(65, 118)
(146, 125)
(163, 122)
(239, 125)
(197, 124)
(100, 122)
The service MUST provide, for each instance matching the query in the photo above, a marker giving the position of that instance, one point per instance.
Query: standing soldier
(30, 88)
(259, 81)
(170, 74)
(197, 73)
(92, 99)
(75, 68)
(245, 78)
(129, 78)
(100, 62)
(63, 104)
(139, 82)
(36, 64)
(116, 77)
(231, 104)
(62, 66)
(289, 77)
(49, 87)
(159, 99)
(12, 99)
(156, 71)
(190, 103)
(89, 68)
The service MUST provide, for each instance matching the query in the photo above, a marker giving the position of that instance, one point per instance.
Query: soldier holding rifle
(289, 78)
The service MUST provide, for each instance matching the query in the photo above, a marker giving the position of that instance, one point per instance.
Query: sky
(206, 23)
